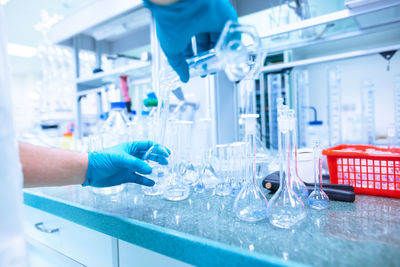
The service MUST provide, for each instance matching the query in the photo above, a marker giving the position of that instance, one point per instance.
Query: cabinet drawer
(82, 244)
(131, 255)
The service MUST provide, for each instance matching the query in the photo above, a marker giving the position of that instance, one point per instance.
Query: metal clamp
(39, 226)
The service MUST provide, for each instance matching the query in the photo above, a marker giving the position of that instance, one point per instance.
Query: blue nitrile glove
(122, 164)
(177, 23)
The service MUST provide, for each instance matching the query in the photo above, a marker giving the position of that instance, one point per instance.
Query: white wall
(353, 72)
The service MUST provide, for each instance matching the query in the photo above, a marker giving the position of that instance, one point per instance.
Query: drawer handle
(39, 226)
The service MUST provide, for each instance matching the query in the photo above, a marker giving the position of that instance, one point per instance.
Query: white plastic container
(305, 164)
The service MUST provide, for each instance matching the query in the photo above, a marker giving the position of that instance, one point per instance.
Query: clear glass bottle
(318, 199)
(113, 132)
(250, 204)
(285, 209)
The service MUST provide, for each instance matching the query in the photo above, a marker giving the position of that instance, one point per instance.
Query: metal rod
(316, 60)
(328, 18)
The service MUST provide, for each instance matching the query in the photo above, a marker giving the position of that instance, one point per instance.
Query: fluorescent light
(3, 2)
(21, 50)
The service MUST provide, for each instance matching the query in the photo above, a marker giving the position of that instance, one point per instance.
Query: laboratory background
(285, 142)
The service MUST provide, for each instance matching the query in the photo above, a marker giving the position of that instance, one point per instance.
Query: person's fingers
(202, 42)
(213, 39)
(138, 147)
(157, 158)
(127, 161)
(161, 150)
(188, 51)
(138, 179)
(179, 64)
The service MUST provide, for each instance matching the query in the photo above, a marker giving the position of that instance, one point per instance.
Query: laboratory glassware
(296, 183)
(397, 107)
(186, 166)
(207, 177)
(334, 106)
(285, 209)
(224, 188)
(318, 199)
(368, 111)
(238, 166)
(250, 204)
(176, 188)
(391, 135)
(113, 132)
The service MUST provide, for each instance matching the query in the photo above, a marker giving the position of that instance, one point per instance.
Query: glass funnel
(250, 204)
(318, 199)
(285, 209)
(176, 188)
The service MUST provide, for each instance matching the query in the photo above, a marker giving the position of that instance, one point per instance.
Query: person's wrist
(84, 166)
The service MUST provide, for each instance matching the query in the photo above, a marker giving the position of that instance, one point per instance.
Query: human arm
(112, 166)
(178, 21)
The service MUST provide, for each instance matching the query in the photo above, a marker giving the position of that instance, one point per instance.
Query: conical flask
(285, 209)
(250, 204)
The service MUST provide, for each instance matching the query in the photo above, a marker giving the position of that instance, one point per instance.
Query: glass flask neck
(317, 168)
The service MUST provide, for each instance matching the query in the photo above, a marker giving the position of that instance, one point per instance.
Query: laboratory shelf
(203, 231)
(137, 70)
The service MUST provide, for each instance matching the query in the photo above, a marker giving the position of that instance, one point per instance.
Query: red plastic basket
(371, 170)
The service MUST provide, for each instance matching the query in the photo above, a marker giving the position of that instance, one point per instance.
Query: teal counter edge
(181, 246)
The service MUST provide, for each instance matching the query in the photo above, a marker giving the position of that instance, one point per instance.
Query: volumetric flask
(318, 199)
(285, 209)
(250, 204)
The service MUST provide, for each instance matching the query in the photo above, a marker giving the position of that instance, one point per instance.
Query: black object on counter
(338, 192)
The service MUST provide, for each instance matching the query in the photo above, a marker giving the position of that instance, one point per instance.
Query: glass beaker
(285, 209)
(207, 176)
(223, 188)
(176, 188)
(318, 199)
(238, 166)
(237, 52)
(250, 204)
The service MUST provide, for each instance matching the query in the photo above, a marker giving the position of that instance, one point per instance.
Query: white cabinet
(131, 255)
(77, 242)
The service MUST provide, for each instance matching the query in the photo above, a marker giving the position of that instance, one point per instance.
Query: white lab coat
(12, 244)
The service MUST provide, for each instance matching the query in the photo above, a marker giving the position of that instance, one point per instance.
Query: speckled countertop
(202, 230)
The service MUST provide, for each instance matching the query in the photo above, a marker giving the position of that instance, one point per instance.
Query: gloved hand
(177, 23)
(123, 164)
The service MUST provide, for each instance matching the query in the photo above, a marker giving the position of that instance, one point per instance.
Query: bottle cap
(118, 105)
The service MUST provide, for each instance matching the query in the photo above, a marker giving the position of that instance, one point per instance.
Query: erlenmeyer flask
(250, 204)
(318, 199)
(285, 209)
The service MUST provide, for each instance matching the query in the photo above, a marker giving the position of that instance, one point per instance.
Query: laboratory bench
(135, 230)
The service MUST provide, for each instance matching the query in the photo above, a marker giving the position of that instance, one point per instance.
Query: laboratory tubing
(250, 204)
(318, 199)
(285, 209)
